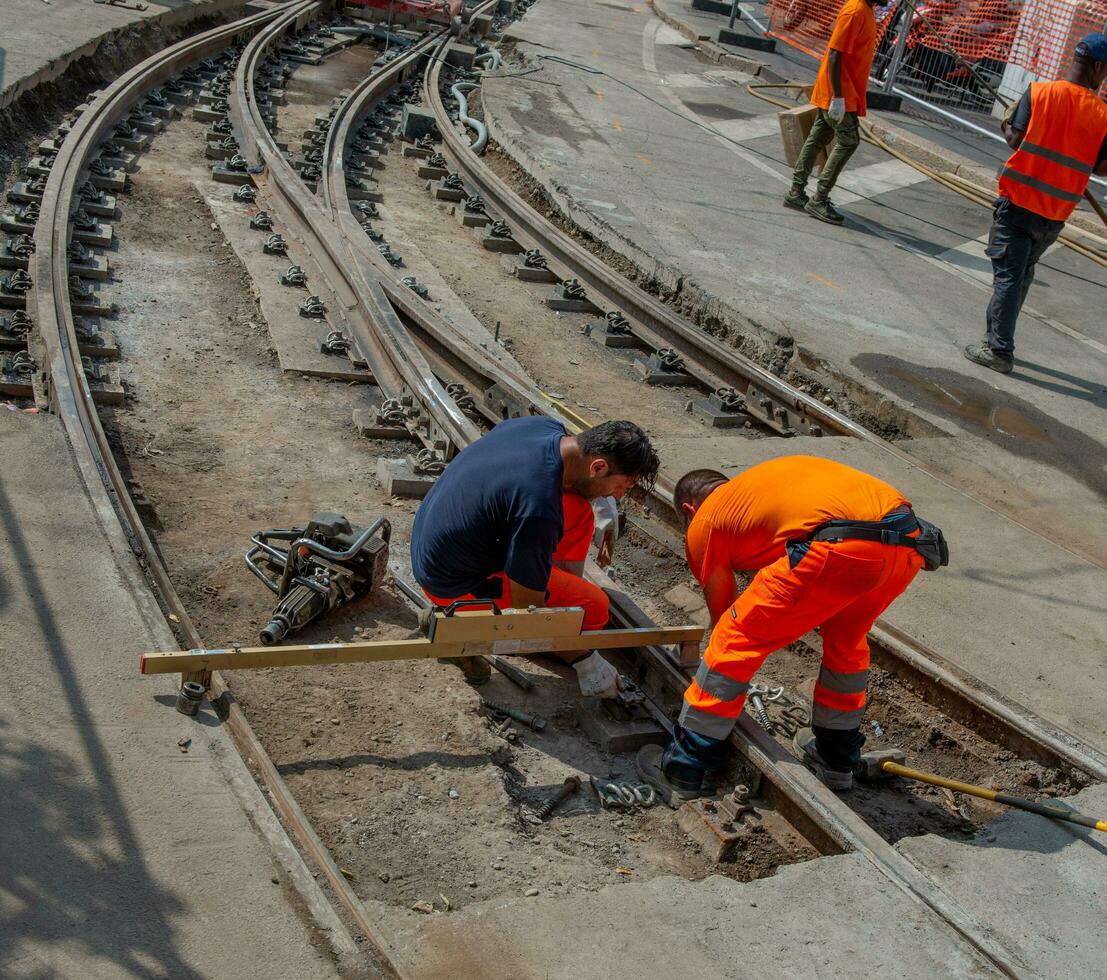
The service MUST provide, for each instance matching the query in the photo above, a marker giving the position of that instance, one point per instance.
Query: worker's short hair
(626, 448)
(693, 487)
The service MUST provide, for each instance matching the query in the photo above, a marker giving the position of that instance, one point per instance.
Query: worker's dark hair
(693, 487)
(626, 448)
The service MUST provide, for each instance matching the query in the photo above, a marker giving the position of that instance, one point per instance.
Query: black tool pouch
(931, 545)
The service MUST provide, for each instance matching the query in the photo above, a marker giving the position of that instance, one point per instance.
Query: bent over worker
(839, 94)
(510, 521)
(832, 548)
(1058, 131)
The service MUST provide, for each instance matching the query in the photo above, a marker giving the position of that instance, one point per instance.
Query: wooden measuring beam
(515, 633)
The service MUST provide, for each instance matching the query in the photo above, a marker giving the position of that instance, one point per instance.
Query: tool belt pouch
(931, 546)
(895, 529)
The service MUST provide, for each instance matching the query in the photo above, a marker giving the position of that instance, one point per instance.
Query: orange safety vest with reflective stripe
(1050, 170)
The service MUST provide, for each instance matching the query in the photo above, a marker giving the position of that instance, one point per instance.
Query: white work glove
(837, 110)
(597, 678)
(606, 512)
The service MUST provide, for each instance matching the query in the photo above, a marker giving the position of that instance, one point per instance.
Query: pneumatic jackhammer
(325, 564)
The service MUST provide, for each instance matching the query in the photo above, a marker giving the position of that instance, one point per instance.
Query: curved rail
(49, 304)
(437, 329)
(396, 364)
(832, 817)
(892, 647)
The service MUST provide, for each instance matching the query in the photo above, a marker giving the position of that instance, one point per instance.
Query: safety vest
(1050, 170)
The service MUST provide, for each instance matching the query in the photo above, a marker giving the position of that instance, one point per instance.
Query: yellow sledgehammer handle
(1072, 816)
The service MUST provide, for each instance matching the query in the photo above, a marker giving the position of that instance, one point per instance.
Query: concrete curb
(708, 50)
(927, 153)
(169, 17)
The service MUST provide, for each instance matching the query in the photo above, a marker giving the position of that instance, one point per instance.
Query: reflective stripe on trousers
(841, 587)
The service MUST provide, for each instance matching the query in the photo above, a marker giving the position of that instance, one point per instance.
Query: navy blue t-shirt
(496, 508)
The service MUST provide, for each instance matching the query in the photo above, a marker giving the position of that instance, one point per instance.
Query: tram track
(409, 347)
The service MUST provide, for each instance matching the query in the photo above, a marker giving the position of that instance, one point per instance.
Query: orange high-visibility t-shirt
(746, 523)
(854, 38)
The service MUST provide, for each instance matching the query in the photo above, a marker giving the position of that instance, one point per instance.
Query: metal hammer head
(869, 768)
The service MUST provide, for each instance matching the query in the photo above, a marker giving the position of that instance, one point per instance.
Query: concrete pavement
(1036, 886)
(120, 854)
(39, 40)
(670, 161)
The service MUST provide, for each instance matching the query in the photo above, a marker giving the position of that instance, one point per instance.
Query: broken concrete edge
(708, 50)
(920, 149)
(168, 18)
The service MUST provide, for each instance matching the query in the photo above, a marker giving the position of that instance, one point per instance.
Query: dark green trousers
(822, 132)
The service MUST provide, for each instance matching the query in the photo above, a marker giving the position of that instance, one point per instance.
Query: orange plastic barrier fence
(1036, 35)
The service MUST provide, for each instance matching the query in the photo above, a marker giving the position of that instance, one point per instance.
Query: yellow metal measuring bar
(515, 632)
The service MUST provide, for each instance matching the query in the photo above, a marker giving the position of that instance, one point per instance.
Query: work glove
(837, 110)
(597, 677)
(607, 528)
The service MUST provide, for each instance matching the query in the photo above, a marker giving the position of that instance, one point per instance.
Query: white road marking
(749, 129)
(877, 178)
(667, 35)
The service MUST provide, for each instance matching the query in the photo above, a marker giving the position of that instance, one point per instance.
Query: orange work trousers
(563, 588)
(841, 587)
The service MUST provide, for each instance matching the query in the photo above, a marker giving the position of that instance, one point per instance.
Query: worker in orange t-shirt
(839, 95)
(832, 548)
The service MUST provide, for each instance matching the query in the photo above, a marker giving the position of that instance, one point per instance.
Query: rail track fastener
(568, 788)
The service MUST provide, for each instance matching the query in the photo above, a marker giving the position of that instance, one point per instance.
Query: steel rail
(790, 779)
(336, 199)
(49, 303)
(395, 362)
(659, 326)
(71, 399)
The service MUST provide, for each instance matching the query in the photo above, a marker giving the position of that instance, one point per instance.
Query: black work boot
(675, 792)
(984, 355)
(821, 208)
(808, 752)
(796, 199)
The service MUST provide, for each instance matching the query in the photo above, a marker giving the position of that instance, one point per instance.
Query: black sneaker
(983, 354)
(648, 764)
(822, 209)
(835, 779)
(796, 199)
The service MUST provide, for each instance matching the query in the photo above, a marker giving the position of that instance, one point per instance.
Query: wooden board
(482, 641)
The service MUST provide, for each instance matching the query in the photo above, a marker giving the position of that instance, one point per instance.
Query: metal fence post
(908, 10)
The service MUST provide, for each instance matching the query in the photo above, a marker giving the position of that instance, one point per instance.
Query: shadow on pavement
(1004, 418)
(71, 869)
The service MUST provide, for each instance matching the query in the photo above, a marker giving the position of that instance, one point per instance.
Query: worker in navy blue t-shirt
(510, 521)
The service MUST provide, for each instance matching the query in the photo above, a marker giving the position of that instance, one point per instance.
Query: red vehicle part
(436, 11)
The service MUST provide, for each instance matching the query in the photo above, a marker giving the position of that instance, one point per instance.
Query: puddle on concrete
(716, 110)
(1000, 416)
